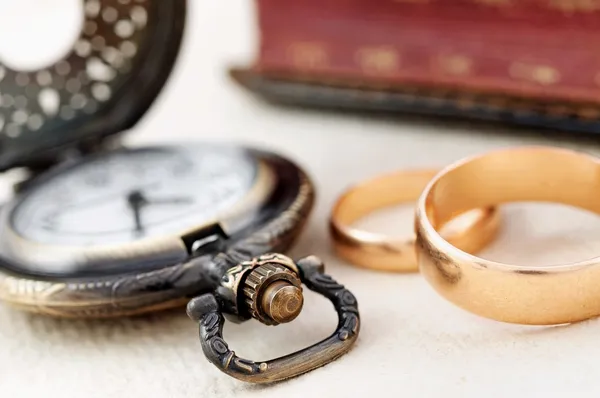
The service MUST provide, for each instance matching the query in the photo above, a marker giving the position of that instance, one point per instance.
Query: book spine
(538, 49)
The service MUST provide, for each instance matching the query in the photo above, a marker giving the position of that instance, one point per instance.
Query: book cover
(533, 57)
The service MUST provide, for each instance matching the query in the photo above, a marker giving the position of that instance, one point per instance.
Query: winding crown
(273, 294)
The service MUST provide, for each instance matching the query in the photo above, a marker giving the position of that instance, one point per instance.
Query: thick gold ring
(516, 294)
(388, 253)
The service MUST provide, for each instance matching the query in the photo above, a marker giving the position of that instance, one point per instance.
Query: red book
(536, 56)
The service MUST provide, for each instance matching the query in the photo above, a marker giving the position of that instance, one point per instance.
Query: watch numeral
(97, 180)
(181, 168)
(49, 222)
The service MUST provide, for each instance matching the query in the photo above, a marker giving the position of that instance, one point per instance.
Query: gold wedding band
(388, 253)
(505, 292)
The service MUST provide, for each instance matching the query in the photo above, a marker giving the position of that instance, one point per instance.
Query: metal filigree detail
(206, 311)
(343, 300)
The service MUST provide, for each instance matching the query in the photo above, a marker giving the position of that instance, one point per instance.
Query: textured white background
(412, 344)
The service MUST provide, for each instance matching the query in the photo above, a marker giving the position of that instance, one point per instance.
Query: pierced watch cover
(114, 71)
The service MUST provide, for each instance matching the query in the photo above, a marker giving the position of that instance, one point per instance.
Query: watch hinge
(88, 147)
(211, 238)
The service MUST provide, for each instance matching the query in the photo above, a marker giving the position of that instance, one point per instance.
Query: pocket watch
(100, 230)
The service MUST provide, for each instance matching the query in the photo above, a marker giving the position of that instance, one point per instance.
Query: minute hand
(168, 201)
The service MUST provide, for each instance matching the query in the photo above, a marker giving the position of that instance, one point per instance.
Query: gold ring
(388, 253)
(510, 293)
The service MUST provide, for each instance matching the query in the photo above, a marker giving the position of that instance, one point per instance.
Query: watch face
(126, 196)
(111, 234)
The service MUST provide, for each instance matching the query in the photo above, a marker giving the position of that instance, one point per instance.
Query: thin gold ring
(389, 253)
(531, 295)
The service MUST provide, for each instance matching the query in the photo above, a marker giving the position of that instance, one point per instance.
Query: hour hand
(136, 200)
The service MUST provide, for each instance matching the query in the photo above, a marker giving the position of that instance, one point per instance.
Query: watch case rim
(166, 287)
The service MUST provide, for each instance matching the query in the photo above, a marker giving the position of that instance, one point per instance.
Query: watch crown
(273, 294)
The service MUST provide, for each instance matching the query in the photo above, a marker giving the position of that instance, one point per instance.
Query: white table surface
(412, 343)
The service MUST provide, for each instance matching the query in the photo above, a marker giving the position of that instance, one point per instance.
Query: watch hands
(137, 200)
(112, 196)
(167, 201)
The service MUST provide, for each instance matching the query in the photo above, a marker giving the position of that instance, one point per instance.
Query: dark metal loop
(206, 310)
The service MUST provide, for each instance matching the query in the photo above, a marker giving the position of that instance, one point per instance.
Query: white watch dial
(130, 195)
